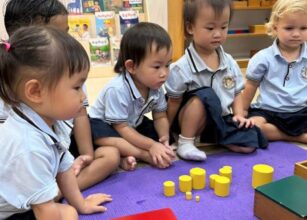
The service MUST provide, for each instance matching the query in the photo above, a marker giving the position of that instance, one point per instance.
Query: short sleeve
(257, 67)
(239, 86)
(176, 85)
(85, 102)
(116, 106)
(66, 162)
(31, 181)
(161, 105)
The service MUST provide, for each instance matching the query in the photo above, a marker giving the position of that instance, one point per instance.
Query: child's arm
(68, 185)
(82, 133)
(248, 94)
(173, 105)
(54, 211)
(238, 112)
(162, 127)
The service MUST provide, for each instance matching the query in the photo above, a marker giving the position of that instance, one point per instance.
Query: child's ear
(189, 28)
(129, 65)
(33, 91)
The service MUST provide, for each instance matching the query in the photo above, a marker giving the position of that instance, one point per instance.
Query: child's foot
(190, 152)
(128, 163)
(81, 162)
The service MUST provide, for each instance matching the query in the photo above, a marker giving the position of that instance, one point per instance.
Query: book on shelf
(81, 26)
(113, 5)
(105, 24)
(133, 5)
(127, 19)
(92, 6)
(74, 7)
(100, 54)
(115, 46)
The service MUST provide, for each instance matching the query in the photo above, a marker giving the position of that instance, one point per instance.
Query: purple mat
(142, 190)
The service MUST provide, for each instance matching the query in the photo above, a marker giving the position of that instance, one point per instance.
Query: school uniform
(190, 76)
(32, 154)
(121, 102)
(282, 89)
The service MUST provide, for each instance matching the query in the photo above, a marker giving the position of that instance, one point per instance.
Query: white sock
(187, 150)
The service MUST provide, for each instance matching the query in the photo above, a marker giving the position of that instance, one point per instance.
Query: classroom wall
(156, 12)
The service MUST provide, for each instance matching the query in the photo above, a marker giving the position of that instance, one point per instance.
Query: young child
(91, 165)
(117, 116)
(280, 72)
(42, 71)
(204, 86)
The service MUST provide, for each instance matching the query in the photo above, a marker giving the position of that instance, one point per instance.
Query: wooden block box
(300, 169)
(257, 28)
(239, 4)
(266, 3)
(284, 199)
(253, 3)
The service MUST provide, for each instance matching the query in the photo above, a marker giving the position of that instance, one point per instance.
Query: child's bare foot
(81, 162)
(128, 163)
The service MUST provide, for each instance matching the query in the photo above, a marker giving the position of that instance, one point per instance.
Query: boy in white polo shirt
(280, 72)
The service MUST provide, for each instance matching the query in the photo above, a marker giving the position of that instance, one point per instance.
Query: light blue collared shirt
(120, 101)
(191, 72)
(283, 85)
(30, 161)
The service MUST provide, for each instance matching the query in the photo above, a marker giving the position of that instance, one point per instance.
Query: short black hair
(39, 52)
(21, 13)
(138, 40)
(191, 7)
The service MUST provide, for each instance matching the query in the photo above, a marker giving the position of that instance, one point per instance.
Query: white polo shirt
(191, 72)
(120, 101)
(283, 85)
(30, 161)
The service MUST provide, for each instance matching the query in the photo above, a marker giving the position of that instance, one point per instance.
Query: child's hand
(92, 203)
(81, 162)
(165, 141)
(161, 155)
(246, 122)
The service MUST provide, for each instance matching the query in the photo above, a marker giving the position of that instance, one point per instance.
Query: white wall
(156, 9)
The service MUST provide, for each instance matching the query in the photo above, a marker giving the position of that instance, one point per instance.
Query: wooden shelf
(247, 35)
(252, 7)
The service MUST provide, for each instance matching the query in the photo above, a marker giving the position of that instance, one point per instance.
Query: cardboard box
(257, 28)
(300, 169)
(284, 199)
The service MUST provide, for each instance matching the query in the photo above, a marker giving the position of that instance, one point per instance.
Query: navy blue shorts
(28, 215)
(101, 129)
(292, 124)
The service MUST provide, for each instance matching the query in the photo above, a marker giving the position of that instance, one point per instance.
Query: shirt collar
(135, 93)
(60, 134)
(276, 50)
(198, 65)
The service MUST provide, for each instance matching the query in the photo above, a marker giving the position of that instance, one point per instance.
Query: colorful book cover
(127, 19)
(74, 7)
(113, 5)
(80, 26)
(115, 46)
(105, 24)
(92, 6)
(100, 54)
(134, 5)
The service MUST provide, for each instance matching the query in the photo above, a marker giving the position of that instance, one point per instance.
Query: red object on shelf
(165, 214)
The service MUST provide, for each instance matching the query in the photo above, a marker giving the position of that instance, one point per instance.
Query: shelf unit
(238, 45)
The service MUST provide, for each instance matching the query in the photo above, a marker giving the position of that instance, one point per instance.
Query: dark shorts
(28, 215)
(292, 124)
(101, 129)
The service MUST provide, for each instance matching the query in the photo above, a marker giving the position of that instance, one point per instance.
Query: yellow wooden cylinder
(169, 188)
(185, 183)
(262, 174)
(212, 180)
(227, 172)
(198, 178)
(221, 186)
(188, 195)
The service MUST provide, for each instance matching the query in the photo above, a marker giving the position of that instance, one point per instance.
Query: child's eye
(289, 28)
(303, 28)
(224, 27)
(77, 87)
(156, 67)
(209, 28)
